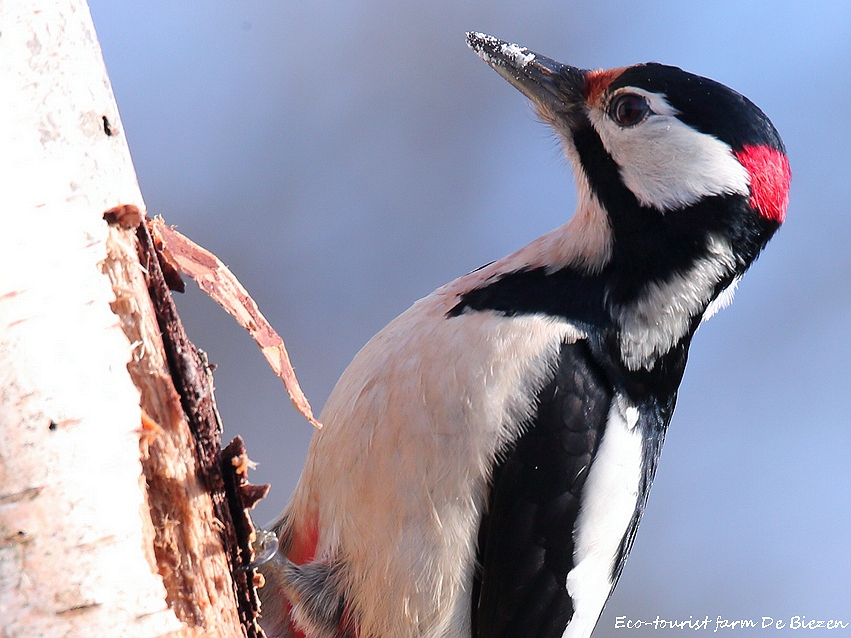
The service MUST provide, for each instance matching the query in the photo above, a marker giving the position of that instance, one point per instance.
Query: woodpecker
(486, 458)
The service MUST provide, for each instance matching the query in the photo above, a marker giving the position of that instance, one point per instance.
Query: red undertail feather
(302, 551)
(305, 539)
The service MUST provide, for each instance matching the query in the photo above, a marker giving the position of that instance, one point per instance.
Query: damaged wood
(243, 497)
(201, 541)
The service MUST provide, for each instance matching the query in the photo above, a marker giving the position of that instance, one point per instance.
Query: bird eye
(628, 109)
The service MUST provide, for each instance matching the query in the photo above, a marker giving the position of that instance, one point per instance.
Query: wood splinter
(214, 278)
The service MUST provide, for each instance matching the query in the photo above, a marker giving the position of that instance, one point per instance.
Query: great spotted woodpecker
(487, 456)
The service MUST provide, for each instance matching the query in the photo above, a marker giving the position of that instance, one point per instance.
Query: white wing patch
(399, 474)
(666, 163)
(609, 500)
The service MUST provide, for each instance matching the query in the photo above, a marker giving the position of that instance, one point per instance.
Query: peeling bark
(191, 374)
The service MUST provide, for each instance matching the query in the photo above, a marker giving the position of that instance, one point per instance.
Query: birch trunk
(77, 542)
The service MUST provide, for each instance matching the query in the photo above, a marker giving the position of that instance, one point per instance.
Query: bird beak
(551, 85)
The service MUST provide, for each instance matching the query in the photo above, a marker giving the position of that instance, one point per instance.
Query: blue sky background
(346, 158)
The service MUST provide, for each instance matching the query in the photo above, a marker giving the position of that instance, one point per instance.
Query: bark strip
(190, 372)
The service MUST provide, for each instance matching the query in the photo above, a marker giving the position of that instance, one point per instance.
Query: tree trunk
(111, 521)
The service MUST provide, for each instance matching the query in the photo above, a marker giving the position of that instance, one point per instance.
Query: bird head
(651, 134)
(681, 182)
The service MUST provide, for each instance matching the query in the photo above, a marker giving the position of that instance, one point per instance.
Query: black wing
(526, 536)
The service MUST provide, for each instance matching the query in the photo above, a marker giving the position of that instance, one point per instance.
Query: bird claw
(264, 546)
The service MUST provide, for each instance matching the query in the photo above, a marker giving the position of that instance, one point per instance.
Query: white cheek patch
(666, 163)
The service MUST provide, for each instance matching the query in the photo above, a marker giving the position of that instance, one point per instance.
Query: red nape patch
(770, 178)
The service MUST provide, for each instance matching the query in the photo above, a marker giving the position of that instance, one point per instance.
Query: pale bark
(76, 536)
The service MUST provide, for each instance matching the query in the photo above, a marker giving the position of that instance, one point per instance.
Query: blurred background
(346, 157)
